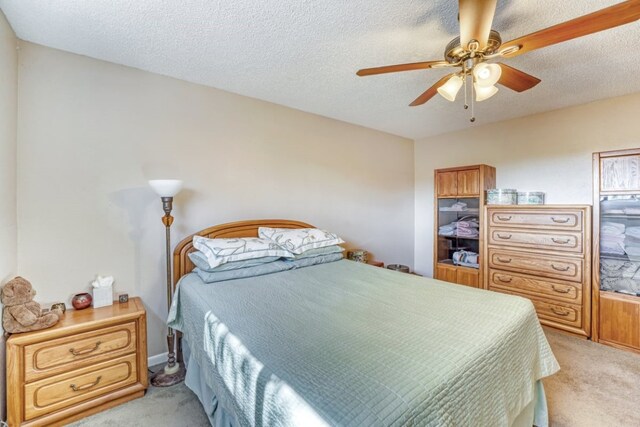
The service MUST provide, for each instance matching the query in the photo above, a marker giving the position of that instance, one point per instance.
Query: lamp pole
(173, 373)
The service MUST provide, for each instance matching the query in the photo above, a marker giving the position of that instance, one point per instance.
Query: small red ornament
(81, 301)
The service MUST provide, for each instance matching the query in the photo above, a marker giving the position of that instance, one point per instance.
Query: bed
(345, 343)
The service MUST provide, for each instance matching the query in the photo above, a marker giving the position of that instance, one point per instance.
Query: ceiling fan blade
(610, 17)
(402, 67)
(429, 93)
(516, 80)
(476, 17)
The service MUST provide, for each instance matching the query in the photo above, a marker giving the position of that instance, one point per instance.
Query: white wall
(8, 227)
(548, 152)
(91, 133)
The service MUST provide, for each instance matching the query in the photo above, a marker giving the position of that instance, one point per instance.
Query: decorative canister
(502, 196)
(399, 267)
(59, 305)
(530, 198)
(357, 255)
(81, 301)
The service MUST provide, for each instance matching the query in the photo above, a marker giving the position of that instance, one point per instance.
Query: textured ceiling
(304, 53)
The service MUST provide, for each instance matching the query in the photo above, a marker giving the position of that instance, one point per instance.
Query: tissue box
(102, 296)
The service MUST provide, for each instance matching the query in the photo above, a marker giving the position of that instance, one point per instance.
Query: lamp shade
(450, 89)
(486, 74)
(483, 93)
(166, 187)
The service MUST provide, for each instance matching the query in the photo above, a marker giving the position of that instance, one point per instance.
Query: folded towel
(612, 228)
(633, 231)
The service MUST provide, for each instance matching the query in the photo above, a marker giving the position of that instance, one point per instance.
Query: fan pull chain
(473, 115)
(466, 104)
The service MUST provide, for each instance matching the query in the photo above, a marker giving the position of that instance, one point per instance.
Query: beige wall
(8, 109)
(549, 152)
(91, 133)
(8, 119)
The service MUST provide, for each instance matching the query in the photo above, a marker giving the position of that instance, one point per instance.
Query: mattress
(349, 344)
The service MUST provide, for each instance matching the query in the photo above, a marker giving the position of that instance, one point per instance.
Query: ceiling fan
(478, 44)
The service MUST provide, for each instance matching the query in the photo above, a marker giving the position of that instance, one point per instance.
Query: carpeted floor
(597, 386)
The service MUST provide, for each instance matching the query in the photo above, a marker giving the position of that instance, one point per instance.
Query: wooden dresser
(91, 360)
(543, 252)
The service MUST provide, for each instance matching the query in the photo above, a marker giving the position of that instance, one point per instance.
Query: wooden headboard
(183, 265)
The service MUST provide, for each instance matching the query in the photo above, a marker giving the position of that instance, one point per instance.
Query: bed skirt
(535, 413)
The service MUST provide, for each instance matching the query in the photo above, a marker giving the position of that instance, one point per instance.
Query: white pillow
(298, 240)
(221, 251)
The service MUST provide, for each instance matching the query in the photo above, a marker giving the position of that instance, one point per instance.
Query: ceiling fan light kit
(450, 89)
(478, 43)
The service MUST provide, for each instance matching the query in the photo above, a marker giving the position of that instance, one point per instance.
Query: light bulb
(487, 75)
(483, 93)
(450, 89)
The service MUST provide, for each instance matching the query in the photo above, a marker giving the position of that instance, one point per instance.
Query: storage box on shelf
(90, 361)
(616, 263)
(459, 206)
(542, 252)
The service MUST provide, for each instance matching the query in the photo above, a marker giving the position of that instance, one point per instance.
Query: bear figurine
(20, 312)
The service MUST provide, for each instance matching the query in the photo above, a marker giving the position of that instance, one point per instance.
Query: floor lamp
(173, 372)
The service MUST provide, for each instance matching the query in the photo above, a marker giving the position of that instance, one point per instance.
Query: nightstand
(92, 360)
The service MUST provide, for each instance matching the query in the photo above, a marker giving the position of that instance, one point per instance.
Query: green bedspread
(350, 344)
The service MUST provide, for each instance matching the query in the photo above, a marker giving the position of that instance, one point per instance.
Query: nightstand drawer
(61, 391)
(75, 351)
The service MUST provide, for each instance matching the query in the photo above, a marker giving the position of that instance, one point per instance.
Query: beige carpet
(597, 386)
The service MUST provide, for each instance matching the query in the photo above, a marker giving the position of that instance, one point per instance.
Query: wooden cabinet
(447, 184)
(457, 274)
(616, 269)
(468, 183)
(459, 198)
(467, 277)
(91, 360)
(446, 272)
(619, 324)
(543, 253)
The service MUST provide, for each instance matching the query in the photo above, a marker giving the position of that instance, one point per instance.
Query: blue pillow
(314, 260)
(241, 273)
(200, 261)
(320, 251)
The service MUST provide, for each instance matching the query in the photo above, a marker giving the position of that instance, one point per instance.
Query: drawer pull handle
(504, 218)
(505, 237)
(561, 290)
(560, 312)
(560, 241)
(86, 386)
(505, 260)
(556, 268)
(505, 280)
(559, 221)
(84, 350)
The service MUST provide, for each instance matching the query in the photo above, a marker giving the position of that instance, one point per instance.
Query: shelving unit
(454, 186)
(616, 265)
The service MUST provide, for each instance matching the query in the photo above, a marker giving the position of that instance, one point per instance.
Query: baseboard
(157, 359)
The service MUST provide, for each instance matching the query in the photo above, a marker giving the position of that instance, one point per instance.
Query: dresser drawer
(551, 313)
(542, 265)
(540, 240)
(565, 314)
(570, 220)
(72, 352)
(532, 285)
(61, 391)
